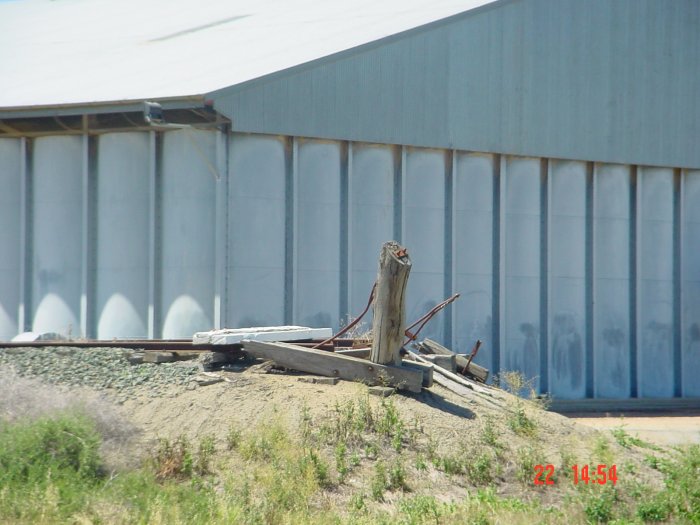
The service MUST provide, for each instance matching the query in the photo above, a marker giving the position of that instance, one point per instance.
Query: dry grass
(24, 399)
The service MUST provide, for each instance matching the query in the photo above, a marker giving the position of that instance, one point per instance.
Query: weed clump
(599, 505)
(520, 423)
(518, 419)
(233, 438)
(177, 459)
(65, 447)
(56, 460)
(379, 481)
(527, 458)
(626, 440)
(654, 509)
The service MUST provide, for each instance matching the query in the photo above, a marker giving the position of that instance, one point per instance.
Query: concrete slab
(158, 357)
(381, 391)
(318, 380)
(230, 336)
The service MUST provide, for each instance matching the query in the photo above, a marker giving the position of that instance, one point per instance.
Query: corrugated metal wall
(583, 275)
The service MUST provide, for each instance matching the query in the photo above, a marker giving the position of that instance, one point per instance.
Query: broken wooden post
(389, 309)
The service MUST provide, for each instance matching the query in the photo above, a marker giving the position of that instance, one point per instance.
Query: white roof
(64, 52)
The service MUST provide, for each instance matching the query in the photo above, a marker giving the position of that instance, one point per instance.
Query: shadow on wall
(614, 338)
(527, 360)
(567, 351)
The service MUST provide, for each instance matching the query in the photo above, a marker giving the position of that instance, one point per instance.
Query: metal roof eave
(93, 108)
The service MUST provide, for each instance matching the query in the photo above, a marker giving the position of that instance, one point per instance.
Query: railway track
(160, 345)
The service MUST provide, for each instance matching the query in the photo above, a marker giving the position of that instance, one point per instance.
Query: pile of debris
(392, 359)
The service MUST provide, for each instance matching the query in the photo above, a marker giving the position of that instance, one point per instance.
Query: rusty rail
(162, 345)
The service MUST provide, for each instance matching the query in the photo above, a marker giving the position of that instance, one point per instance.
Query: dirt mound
(436, 443)
(504, 435)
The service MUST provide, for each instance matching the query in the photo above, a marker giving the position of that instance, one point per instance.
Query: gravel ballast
(107, 369)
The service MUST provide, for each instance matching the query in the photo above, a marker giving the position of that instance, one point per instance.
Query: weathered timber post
(389, 310)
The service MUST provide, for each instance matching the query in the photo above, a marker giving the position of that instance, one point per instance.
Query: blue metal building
(538, 156)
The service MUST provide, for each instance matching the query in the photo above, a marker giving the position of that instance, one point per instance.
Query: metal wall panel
(10, 256)
(581, 276)
(521, 208)
(655, 337)
(187, 229)
(371, 222)
(424, 235)
(122, 241)
(317, 235)
(567, 279)
(473, 188)
(690, 283)
(57, 234)
(612, 280)
(256, 226)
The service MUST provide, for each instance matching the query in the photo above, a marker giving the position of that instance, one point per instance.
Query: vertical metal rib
(25, 314)
(154, 255)
(498, 266)
(544, 275)
(89, 229)
(635, 188)
(399, 180)
(221, 184)
(590, 279)
(677, 280)
(448, 240)
(345, 170)
(289, 227)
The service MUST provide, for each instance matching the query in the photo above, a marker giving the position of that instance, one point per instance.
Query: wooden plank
(389, 322)
(453, 386)
(465, 381)
(448, 362)
(454, 377)
(463, 391)
(332, 364)
(426, 370)
(362, 353)
(477, 372)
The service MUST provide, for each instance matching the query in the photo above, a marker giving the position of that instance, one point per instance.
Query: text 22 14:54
(600, 474)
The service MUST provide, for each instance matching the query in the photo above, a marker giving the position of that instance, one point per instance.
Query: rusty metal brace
(353, 323)
(475, 350)
(411, 336)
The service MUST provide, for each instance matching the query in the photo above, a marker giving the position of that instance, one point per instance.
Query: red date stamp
(600, 474)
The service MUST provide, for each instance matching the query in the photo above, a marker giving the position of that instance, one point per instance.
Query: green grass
(51, 472)
(518, 419)
(520, 423)
(525, 461)
(599, 504)
(52, 461)
(628, 441)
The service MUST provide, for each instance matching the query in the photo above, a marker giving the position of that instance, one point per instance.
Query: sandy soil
(659, 428)
(246, 398)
